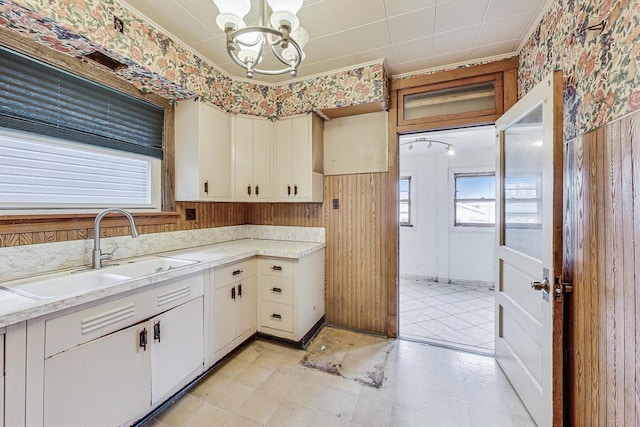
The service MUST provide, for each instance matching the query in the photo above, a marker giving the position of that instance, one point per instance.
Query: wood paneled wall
(356, 254)
(602, 261)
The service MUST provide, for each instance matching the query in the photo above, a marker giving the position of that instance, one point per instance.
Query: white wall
(433, 247)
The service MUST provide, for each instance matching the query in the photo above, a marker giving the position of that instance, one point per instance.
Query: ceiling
(464, 139)
(411, 35)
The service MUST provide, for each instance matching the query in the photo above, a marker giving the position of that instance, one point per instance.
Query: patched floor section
(349, 354)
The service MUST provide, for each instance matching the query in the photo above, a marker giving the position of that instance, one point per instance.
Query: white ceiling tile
(213, 49)
(322, 67)
(153, 8)
(369, 36)
(503, 8)
(319, 19)
(183, 25)
(353, 13)
(375, 54)
(204, 11)
(503, 29)
(411, 26)
(326, 48)
(495, 49)
(456, 14)
(398, 7)
(411, 66)
(452, 58)
(454, 41)
(413, 50)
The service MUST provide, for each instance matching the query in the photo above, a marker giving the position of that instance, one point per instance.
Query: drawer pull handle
(288, 190)
(156, 331)
(233, 293)
(277, 290)
(249, 190)
(276, 268)
(235, 273)
(295, 190)
(276, 316)
(143, 339)
(240, 290)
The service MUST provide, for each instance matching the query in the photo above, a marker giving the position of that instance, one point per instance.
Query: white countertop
(15, 308)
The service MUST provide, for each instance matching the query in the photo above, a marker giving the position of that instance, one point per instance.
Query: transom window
(475, 199)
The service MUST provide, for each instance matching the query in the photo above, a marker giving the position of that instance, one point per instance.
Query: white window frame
(154, 181)
(466, 228)
(412, 199)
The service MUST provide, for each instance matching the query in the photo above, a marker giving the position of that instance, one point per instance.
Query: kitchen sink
(78, 282)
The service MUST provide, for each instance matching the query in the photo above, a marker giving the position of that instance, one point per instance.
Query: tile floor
(455, 315)
(265, 385)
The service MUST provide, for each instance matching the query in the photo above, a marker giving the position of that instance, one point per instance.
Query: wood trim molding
(392, 229)
(458, 73)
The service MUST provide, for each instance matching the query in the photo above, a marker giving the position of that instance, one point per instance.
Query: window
(523, 202)
(405, 201)
(474, 199)
(68, 142)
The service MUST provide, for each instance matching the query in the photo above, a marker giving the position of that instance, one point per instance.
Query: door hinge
(560, 288)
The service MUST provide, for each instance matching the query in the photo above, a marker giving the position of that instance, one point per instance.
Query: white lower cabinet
(233, 308)
(291, 293)
(110, 363)
(104, 382)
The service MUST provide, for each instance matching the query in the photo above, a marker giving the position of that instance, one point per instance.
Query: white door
(262, 137)
(223, 317)
(301, 155)
(529, 310)
(246, 310)
(243, 158)
(283, 148)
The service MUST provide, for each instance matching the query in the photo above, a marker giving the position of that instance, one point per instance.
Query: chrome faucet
(97, 255)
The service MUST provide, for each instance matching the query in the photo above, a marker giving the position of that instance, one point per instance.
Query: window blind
(38, 98)
(40, 171)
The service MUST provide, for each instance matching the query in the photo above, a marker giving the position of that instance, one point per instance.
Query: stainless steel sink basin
(72, 283)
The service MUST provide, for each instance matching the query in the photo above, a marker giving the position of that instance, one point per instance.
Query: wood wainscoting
(602, 261)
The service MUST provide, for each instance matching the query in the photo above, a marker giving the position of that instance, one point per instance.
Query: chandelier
(247, 45)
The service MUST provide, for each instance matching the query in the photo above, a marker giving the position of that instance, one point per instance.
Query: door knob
(539, 286)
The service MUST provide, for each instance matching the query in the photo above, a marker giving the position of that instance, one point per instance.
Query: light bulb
(284, 13)
(231, 13)
(450, 151)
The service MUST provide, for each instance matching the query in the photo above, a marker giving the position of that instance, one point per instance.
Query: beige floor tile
(279, 384)
(269, 359)
(177, 414)
(291, 414)
(259, 407)
(209, 415)
(254, 376)
(337, 402)
(324, 419)
(348, 385)
(233, 367)
(372, 413)
(307, 393)
(250, 352)
(233, 396)
(210, 385)
(240, 421)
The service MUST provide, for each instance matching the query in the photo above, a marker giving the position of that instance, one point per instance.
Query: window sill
(406, 225)
(35, 223)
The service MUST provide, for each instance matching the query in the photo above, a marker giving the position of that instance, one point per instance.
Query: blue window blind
(38, 98)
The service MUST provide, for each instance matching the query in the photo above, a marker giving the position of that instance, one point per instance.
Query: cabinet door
(177, 349)
(243, 158)
(246, 309)
(283, 152)
(223, 316)
(301, 157)
(215, 154)
(262, 149)
(104, 382)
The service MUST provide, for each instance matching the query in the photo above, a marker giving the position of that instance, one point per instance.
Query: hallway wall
(433, 247)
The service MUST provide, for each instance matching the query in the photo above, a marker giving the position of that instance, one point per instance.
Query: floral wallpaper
(600, 68)
(160, 65)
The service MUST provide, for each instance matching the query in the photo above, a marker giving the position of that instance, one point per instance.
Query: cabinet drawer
(85, 325)
(276, 267)
(276, 289)
(277, 316)
(224, 276)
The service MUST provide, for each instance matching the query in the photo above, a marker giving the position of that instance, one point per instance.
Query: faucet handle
(109, 255)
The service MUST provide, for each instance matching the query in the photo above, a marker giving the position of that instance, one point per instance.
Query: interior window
(405, 201)
(474, 200)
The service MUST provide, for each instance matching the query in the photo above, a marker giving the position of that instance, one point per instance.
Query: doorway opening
(447, 238)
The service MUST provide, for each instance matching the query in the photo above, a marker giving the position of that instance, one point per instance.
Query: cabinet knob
(249, 190)
(276, 290)
(206, 187)
(295, 190)
(240, 289)
(257, 190)
(288, 190)
(236, 272)
(276, 268)
(233, 293)
(276, 316)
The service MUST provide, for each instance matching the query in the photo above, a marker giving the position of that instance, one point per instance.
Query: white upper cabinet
(202, 152)
(252, 159)
(298, 159)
